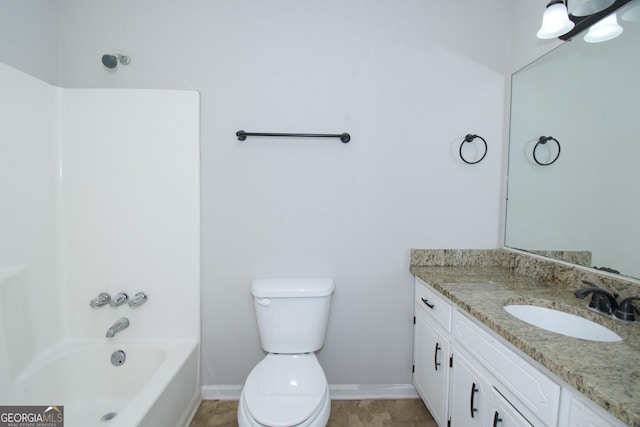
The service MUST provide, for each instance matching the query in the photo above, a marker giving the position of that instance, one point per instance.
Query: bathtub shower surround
(100, 195)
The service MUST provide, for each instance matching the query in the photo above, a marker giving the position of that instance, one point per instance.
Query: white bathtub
(157, 385)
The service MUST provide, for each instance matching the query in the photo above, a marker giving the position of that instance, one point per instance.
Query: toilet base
(320, 418)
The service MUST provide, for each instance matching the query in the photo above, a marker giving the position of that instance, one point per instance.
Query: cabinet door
(538, 395)
(469, 392)
(431, 364)
(502, 414)
(584, 415)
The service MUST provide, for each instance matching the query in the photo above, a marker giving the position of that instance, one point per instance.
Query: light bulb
(603, 30)
(555, 21)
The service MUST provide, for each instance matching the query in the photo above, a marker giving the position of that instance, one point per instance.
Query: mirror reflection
(585, 206)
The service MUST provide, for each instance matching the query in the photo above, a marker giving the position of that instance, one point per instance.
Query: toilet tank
(292, 313)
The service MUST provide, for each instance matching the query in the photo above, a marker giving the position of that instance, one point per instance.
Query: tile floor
(344, 413)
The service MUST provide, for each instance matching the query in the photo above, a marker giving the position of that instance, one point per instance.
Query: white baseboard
(337, 391)
(221, 392)
(372, 391)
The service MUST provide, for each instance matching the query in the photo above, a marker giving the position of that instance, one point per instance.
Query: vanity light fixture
(558, 22)
(555, 21)
(603, 30)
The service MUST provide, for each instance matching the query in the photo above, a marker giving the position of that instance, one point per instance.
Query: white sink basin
(562, 323)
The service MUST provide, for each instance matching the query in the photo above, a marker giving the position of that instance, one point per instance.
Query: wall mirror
(585, 206)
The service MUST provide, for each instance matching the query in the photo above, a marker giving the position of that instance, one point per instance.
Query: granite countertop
(607, 373)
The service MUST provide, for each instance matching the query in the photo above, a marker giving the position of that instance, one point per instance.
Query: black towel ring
(470, 138)
(543, 140)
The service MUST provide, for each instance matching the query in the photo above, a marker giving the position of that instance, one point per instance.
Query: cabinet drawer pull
(435, 356)
(496, 419)
(473, 392)
(426, 301)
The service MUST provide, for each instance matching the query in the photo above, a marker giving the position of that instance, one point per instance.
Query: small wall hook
(470, 138)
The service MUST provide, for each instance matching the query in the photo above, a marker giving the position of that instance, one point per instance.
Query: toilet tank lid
(292, 287)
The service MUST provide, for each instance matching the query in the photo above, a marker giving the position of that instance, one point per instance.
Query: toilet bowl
(283, 391)
(288, 387)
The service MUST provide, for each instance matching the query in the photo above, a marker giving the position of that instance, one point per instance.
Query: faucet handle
(138, 299)
(102, 299)
(626, 310)
(119, 299)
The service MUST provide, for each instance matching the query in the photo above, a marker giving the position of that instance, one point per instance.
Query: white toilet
(288, 387)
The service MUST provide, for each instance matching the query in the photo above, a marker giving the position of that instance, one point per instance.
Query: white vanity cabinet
(531, 392)
(432, 350)
(468, 377)
(474, 401)
(465, 380)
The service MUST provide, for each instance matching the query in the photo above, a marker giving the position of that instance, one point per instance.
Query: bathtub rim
(74, 345)
(177, 354)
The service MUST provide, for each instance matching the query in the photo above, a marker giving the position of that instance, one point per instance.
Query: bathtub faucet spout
(120, 324)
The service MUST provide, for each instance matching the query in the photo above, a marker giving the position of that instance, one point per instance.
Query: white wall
(407, 80)
(29, 37)
(131, 211)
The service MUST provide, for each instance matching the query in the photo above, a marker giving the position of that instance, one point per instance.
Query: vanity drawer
(428, 301)
(521, 382)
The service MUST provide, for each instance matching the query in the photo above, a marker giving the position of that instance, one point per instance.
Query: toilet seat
(319, 418)
(285, 389)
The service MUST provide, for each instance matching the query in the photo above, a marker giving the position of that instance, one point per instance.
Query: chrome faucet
(121, 323)
(100, 300)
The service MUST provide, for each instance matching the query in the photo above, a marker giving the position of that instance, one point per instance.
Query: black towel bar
(344, 137)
